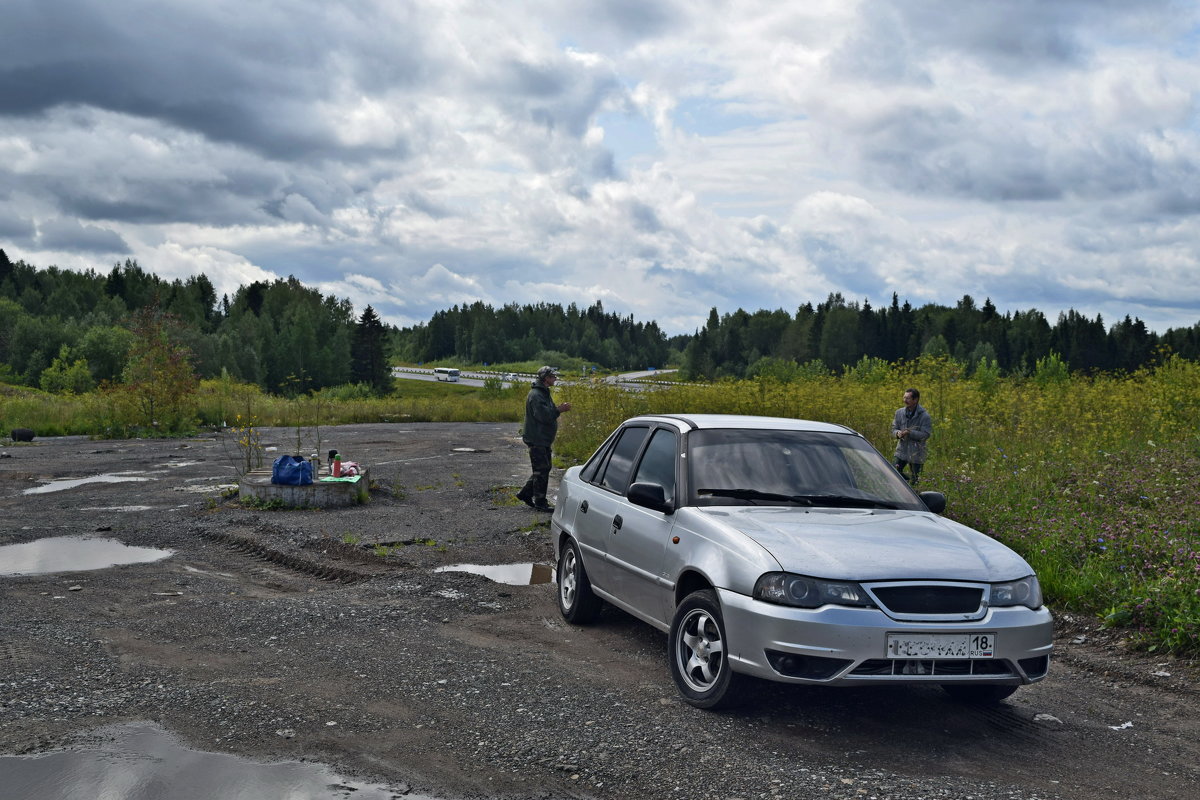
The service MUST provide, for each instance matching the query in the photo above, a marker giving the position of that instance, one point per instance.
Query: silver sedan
(791, 551)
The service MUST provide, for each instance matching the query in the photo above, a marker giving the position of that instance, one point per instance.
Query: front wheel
(977, 693)
(698, 655)
(576, 601)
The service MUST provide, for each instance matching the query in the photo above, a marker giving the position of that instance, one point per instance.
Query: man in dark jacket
(541, 426)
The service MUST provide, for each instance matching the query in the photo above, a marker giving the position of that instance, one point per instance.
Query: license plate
(941, 645)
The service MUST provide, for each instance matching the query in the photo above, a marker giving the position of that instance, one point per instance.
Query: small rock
(286, 733)
(75, 588)
(1122, 726)
(1047, 718)
(1162, 673)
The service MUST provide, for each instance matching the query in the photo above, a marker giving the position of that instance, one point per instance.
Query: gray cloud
(1030, 35)
(251, 83)
(70, 236)
(15, 227)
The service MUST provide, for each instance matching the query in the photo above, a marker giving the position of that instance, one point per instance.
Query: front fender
(724, 557)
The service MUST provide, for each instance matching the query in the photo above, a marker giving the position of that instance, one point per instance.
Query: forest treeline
(837, 335)
(64, 330)
(480, 334)
(71, 331)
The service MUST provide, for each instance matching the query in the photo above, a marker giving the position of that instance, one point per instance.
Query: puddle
(71, 483)
(144, 762)
(513, 574)
(117, 508)
(72, 554)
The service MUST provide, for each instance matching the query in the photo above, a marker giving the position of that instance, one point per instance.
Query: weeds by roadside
(1090, 478)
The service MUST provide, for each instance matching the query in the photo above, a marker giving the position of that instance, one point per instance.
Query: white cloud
(226, 270)
(415, 156)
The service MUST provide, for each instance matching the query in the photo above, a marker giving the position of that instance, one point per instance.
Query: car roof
(697, 421)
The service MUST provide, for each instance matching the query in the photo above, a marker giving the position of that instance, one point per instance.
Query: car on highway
(791, 551)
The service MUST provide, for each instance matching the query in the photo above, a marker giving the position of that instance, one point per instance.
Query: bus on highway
(446, 374)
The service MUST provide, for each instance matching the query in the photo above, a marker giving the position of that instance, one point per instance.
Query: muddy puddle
(141, 761)
(72, 554)
(513, 574)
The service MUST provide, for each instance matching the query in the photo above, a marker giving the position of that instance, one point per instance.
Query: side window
(620, 463)
(596, 465)
(658, 464)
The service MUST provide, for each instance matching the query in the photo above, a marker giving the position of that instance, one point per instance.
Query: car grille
(929, 598)
(992, 668)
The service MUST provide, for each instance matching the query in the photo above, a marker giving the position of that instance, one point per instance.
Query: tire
(979, 694)
(576, 601)
(696, 650)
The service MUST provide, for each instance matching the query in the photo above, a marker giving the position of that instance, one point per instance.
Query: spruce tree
(370, 360)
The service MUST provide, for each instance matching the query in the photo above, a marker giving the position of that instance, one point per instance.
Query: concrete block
(321, 493)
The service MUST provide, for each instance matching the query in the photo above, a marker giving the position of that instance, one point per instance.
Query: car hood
(860, 545)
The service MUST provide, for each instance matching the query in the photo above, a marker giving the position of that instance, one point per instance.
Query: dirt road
(281, 634)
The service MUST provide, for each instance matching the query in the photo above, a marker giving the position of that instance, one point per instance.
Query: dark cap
(544, 371)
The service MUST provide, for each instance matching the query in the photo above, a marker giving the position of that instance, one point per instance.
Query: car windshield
(737, 466)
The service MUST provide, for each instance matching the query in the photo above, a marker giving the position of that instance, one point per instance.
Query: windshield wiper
(836, 500)
(755, 494)
(831, 500)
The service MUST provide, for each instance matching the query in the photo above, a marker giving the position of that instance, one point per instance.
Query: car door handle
(617, 522)
(583, 507)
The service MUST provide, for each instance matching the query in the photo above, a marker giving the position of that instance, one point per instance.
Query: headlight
(1025, 592)
(797, 590)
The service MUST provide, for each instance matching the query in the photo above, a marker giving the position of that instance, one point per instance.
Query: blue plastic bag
(291, 471)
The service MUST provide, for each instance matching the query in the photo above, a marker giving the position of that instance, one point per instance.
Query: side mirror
(650, 495)
(934, 501)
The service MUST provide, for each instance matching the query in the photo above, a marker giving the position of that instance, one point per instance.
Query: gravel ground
(281, 634)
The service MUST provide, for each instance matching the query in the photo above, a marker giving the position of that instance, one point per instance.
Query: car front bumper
(836, 645)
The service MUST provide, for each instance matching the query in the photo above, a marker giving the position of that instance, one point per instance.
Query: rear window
(620, 461)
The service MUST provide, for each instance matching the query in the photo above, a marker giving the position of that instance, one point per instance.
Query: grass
(272, 504)
(1091, 479)
(220, 404)
(505, 496)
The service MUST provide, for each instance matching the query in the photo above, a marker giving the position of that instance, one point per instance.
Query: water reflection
(144, 762)
(512, 574)
(71, 483)
(72, 554)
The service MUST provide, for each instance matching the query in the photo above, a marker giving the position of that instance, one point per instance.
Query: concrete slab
(325, 492)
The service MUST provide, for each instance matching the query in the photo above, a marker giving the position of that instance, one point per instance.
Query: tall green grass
(1091, 479)
(219, 404)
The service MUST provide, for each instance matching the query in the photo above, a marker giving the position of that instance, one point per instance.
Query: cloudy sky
(660, 156)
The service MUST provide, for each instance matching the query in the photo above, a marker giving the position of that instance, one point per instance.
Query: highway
(626, 380)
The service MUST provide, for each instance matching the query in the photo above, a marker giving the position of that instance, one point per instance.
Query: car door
(638, 536)
(602, 504)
